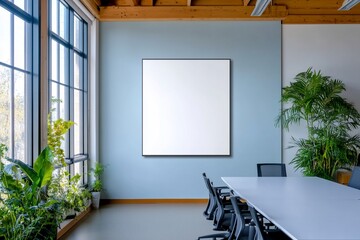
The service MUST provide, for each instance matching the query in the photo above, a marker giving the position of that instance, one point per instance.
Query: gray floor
(144, 221)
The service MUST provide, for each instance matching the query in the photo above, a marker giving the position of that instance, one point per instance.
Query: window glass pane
(19, 43)
(55, 101)
(64, 104)
(54, 16)
(78, 169)
(63, 21)
(85, 38)
(78, 71)
(21, 4)
(85, 82)
(78, 33)
(85, 176)
(78, 122)
(5, 109)
(64, 58)
(54, 60)
(59, 101)
(85, 122)
(5, 36)
(19, 115)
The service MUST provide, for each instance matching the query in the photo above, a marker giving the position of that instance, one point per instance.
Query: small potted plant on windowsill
(97, 184)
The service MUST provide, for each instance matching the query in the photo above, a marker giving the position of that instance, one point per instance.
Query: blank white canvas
(186, 107)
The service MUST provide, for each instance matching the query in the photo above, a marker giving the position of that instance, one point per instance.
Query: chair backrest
(271, 170)
(239, 226)
(259, 228)
(220, 211)
(211, 206)
(355, 178)
(208, 185)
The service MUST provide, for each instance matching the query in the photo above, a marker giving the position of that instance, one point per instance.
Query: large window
(68, 80)
(19, 73)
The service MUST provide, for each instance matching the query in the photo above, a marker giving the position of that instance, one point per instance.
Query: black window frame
(67, 42)
(31, 72)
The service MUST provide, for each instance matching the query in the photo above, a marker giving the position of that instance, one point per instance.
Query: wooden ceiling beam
(290, 12)
(246, 2)
(134, 2)
(217, 3)
(92, 6)
(147, 3)
(127, 2)
(318, 4)
(171, 3)
(322, 19)
(322, 12)
(117, 13)
(179, 2)
(98, 2)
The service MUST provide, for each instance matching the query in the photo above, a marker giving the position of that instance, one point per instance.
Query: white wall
(333, 49)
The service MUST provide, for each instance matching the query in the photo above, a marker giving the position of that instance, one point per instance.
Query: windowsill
(67, 225)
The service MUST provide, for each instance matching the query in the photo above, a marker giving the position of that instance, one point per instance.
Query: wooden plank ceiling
(288, 11)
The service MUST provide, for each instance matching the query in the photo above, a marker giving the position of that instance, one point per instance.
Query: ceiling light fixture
(260, 7)
(348, 4)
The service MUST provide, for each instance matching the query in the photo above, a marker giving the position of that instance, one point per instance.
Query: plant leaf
(33, 176)
(10, 183)
(44, 166)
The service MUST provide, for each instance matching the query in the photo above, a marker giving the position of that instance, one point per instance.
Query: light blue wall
(255, 52)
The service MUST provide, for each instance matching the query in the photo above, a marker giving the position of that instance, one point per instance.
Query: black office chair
(241, 229)
(211, 206)
(224, 211)
(224, 218)
(355, 178)
(271, 170)
(265, 234)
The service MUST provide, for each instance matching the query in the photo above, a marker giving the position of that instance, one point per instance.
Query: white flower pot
(95, 199)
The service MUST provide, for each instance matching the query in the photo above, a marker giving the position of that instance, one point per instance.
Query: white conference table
(305, 208)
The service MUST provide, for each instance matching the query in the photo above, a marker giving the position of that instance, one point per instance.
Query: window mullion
(82, 111)
(58, 15)
(11, 7)
(71, 83)
(29, 98)
(34, 89)
(82, 105)
(58, 114)
(12, 102)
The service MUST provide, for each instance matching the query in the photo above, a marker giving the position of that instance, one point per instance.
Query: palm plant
(329, 118)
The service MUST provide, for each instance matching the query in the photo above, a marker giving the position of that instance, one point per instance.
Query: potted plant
(65, 188)
(316, 99)
(27, 211)
(97, 184)
(35, 200)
